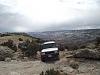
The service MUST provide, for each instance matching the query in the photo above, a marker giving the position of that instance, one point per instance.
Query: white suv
(49, 50)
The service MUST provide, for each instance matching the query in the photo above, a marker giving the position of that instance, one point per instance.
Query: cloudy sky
(44, 15)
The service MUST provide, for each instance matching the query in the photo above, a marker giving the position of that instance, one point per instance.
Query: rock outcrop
(87, 53)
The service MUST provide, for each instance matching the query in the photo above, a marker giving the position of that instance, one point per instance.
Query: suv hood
(49, 49)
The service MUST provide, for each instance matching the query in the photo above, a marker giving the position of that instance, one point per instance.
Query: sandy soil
(36, 67)
(24, 68)
(86, 67)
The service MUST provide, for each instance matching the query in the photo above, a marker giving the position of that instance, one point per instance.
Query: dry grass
(15, 38)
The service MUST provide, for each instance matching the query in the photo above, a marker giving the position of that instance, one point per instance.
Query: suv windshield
(52, 45)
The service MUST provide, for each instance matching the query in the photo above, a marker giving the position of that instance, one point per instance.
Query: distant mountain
(69, 37)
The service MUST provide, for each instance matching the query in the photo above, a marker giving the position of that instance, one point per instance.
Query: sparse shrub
(91, 46)
(82, 46)
(5, 52)
(42, 73)
(66, 47)
(6, 34)
(20, 39)
(10, 44)
(97, 40)
(25, 59)
(29, 48)
(52, 72)
(74, 65)
(39, 40)
(73, 47)
(61, 47)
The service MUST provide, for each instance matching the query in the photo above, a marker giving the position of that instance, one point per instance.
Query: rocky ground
(81, 61)
(65, 64)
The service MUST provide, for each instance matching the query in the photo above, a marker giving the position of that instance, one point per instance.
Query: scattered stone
(67, 69)
(25, 59)
(84, 68)
(14, 73)
(84, 74)
(7, 59)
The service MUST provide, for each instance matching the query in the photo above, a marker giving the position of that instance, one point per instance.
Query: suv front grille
(52, 52)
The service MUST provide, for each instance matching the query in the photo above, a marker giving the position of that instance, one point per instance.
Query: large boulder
(5, 52)
(87, 53)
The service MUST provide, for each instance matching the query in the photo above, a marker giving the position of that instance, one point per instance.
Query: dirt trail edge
(25, 68)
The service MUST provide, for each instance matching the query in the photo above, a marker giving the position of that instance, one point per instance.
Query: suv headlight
(42, 53)
(56, 51)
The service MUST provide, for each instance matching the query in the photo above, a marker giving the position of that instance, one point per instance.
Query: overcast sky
(44, 15)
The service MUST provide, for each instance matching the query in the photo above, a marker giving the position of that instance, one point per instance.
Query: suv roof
(49, 42)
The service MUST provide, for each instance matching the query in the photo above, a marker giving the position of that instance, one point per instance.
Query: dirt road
(36, 67)
(86, 67)
(24, 68)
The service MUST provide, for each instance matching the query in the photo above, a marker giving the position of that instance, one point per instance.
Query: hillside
(21, 44)
(19, 56)
(69, 37)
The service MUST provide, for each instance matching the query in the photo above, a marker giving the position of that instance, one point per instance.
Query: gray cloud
(10, 21)
(84, 18)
